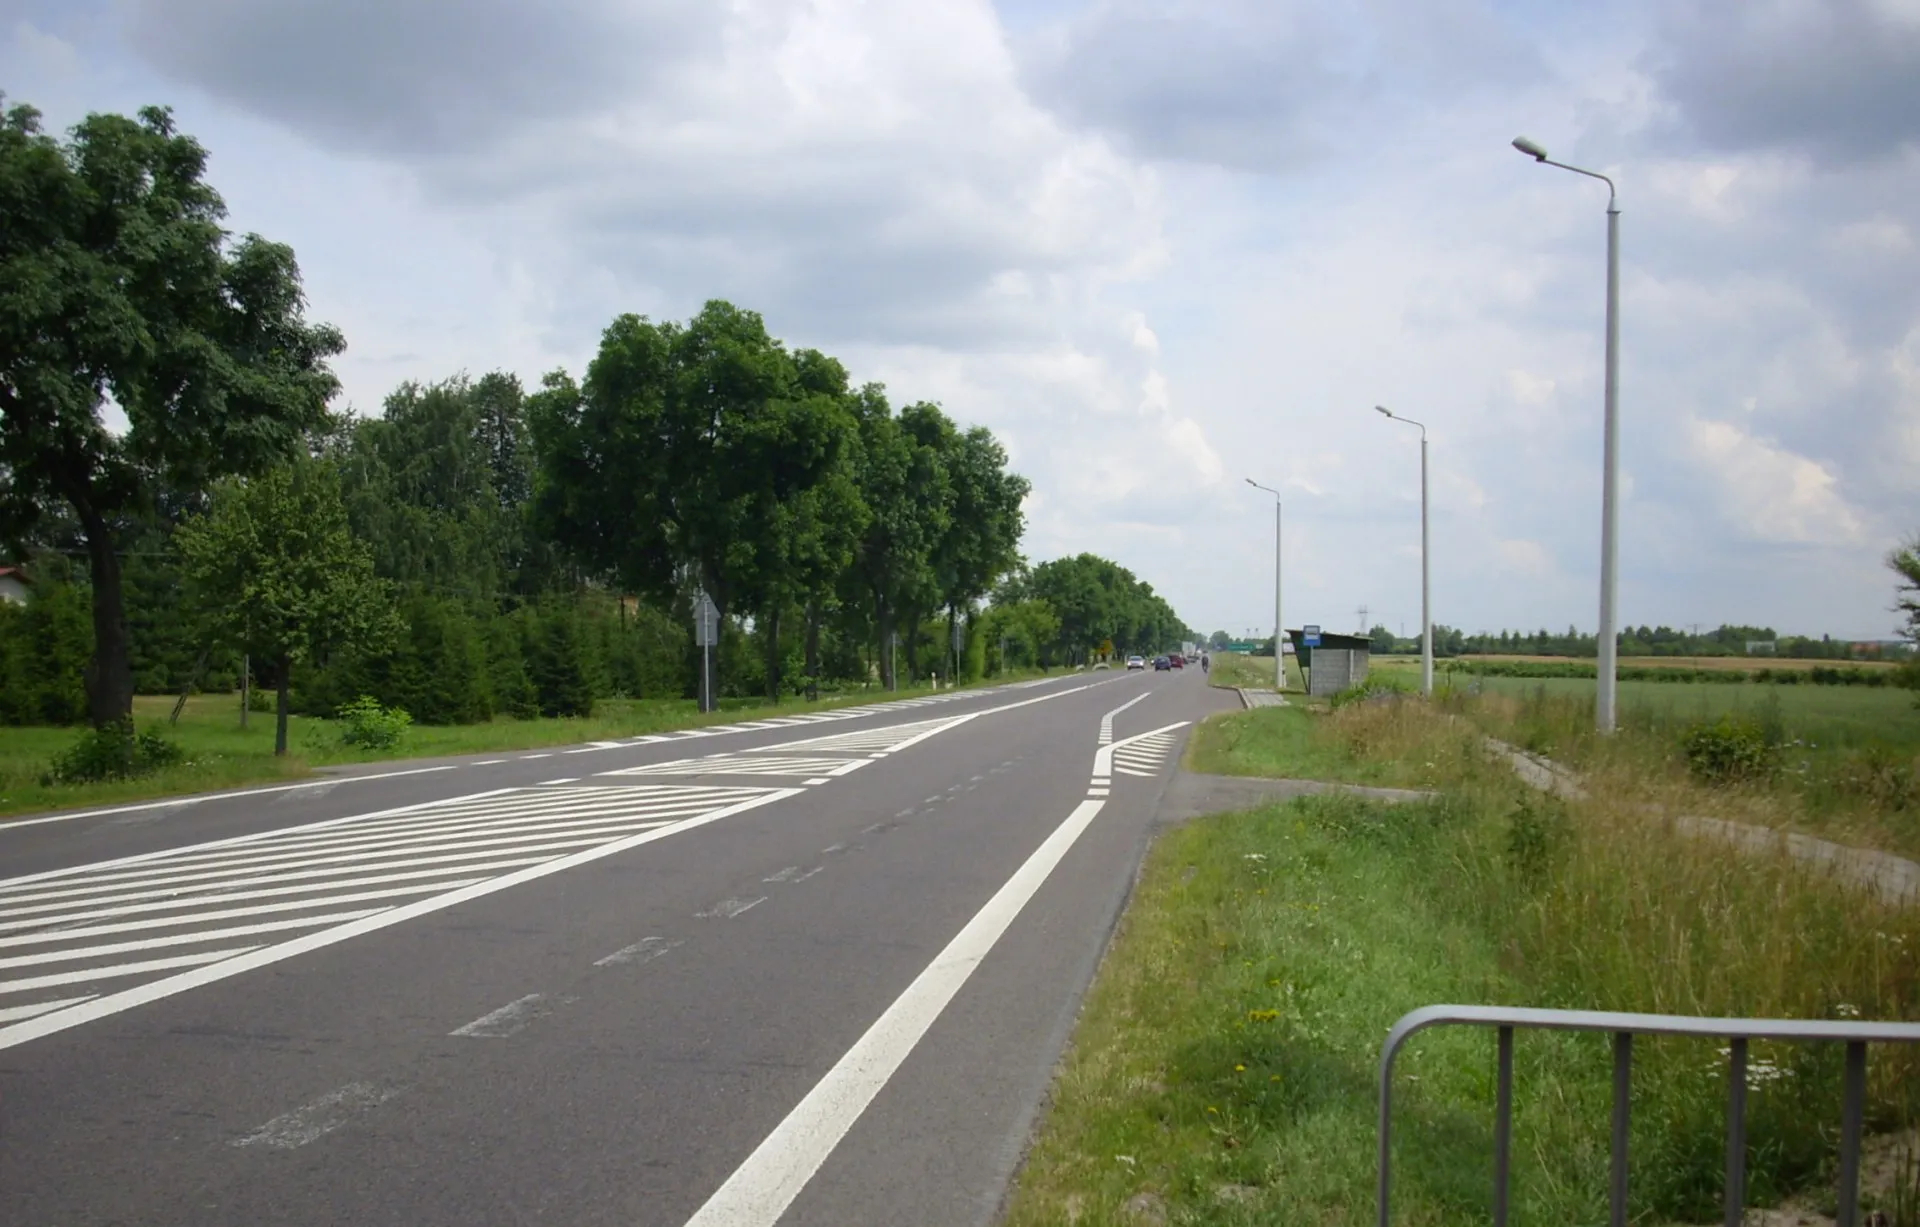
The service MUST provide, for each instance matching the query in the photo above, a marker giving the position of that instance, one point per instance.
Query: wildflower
(1254, 856)
(1213, 1109)
(1239, 1069)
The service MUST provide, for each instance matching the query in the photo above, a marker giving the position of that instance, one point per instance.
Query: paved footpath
(806, 970)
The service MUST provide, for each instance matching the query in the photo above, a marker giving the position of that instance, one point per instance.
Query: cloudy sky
(1159, 246)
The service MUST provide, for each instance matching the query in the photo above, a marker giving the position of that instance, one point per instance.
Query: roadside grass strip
(1224, 1067)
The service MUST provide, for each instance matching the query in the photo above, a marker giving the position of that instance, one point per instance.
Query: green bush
(367, 724)
(1728, 750)
(1371, 689)
(113, 753)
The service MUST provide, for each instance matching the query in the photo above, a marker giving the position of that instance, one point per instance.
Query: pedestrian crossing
(70, 937)
(1144, 756)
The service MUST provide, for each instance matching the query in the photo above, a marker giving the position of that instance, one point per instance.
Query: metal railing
(1623, 1027)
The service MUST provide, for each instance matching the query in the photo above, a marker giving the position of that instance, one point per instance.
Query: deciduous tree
(122, 296)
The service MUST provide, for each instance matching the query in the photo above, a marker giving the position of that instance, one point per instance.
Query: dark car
(1160, 663)
(1178, 661)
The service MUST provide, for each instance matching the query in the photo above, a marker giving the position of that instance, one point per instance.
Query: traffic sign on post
(706, 621)
(1310, 635)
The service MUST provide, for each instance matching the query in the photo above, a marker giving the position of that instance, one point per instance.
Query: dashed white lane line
(542, 754)
(781, 875)
(760, 1189)
(319, 1118)
(809, 873)
(645, 950)
(509, 1019)
(727, 909)
(565, 779)
(487, 762)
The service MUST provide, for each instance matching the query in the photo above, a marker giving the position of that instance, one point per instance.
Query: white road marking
(242, 962)
(833, 848)
(760, 1189)
(67, 933)
(782, 874)
(88, 975)
(18, 1012)
(645, 950)
(487, 762)
(565, 779)
(319, 1118)
(175, 939)
(1106, 721)
(727, 909)
(9, 824)
(809, 873)
(509, 1019)
(817, 780)
(1103, 757)
(542, 754)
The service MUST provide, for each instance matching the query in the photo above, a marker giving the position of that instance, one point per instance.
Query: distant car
(1178, 661)
(1134, 662)
(1161, 664)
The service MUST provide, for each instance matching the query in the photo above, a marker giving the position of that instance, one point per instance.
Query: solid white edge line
(760, 1189)
(155, 990)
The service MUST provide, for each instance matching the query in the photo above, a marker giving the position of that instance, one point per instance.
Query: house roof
(16, 573)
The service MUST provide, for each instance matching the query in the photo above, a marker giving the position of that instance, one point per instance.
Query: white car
(1135, 662)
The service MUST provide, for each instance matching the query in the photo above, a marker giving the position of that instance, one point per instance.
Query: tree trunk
(813, 651)
(282, 685)
(109, 674)
(913, 646)
(772, 628)
(883, 619)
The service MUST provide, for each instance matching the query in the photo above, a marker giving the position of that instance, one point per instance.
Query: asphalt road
(805, 971)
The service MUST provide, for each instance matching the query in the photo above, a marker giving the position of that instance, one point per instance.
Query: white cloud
(1134, 238)
(1768, 493)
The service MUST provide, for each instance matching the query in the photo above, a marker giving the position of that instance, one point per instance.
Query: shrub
(367, 724)
(113, 753)
(1728, 750)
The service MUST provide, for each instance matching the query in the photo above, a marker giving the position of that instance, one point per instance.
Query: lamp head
(1531, 148)
(1383, 409)
(1253, 483)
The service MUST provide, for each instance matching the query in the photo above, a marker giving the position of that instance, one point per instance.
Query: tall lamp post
(1609, 482)
(1426, 585)
(1279, 632)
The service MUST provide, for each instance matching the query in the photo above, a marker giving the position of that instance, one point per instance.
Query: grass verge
(1223, 1069)
(221, 754)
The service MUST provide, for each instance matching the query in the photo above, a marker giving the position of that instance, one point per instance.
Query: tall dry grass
(1606, 902)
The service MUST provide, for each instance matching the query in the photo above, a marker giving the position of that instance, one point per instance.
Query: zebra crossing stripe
(305, 888)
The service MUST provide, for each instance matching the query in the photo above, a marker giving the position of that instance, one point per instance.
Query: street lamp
(1279, 648)
(1609, 482)
(1426, 586)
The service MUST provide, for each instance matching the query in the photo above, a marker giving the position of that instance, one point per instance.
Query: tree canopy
(122, 296)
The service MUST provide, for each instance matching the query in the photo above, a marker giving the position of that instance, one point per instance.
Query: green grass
(1294, 742)
(1848, 757)
(1251, 672)
(223, 755)
(1833, 716)
(1223, 1071)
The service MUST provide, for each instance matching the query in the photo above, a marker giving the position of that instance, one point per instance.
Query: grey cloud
(1263, 84)
(415, 76)
(1838, 80)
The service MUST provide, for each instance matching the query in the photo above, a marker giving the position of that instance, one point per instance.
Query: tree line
(169, 463)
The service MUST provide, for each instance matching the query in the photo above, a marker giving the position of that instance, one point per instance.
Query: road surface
(806, 970)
